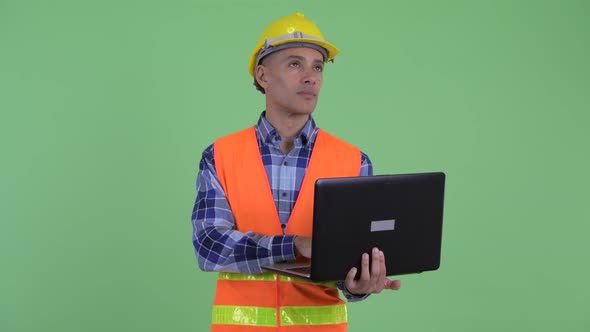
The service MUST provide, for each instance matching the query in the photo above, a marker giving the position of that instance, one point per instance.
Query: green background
(106, 106)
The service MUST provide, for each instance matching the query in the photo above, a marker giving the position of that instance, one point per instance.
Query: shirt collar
(267, 132)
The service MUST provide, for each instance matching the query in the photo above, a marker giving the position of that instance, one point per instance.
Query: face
(292, 79)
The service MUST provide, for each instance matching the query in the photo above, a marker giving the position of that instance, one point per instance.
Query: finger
(376, 265)
(393, 284)
(383, 265)
(365, 275)
(376, 277)
(349, 282)
(350, 276)
(379, 277)
(383, 275)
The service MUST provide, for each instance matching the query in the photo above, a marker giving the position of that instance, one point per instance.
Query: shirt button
(283, 226)
(285, 163)
(284, 194)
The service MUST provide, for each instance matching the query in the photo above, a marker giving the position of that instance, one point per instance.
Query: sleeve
(218, 245)
(366, 170)
(366, 165)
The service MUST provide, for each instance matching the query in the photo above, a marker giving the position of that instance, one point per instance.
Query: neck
(287, 125)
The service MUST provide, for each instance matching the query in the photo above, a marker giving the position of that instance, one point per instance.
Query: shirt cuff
(349, 296)
(283, 248)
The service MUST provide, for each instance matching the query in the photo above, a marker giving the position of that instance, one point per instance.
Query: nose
(310, 76)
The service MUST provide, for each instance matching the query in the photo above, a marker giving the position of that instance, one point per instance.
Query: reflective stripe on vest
(263, 302)
(258, 316)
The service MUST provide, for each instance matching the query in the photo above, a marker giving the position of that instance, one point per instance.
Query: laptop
(401, 214)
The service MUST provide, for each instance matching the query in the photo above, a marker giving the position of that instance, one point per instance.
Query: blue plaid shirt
(218, 245)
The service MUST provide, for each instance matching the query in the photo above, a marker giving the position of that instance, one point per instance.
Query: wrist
(354, 294)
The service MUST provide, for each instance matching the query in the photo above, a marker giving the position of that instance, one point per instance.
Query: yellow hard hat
(294, 28)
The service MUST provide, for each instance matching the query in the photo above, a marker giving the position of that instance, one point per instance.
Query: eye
(319, 68)
(295, 64)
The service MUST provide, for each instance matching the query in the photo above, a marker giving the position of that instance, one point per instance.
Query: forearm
(223, 249)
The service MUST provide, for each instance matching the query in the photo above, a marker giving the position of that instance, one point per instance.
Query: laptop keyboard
(304, 269)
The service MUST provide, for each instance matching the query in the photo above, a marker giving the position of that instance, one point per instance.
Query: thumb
(393, 284)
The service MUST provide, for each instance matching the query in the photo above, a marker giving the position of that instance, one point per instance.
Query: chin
(304, 111)
(307, 109)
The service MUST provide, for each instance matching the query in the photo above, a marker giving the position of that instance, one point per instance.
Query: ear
(260, 74)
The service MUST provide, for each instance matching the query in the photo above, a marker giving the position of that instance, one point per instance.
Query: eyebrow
(299, 57)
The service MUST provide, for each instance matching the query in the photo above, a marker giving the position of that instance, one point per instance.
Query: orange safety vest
(270, 302)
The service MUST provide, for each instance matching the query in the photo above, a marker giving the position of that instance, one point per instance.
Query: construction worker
(255, 196)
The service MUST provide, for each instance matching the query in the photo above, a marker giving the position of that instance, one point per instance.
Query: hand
(302, 246)
(373, 282)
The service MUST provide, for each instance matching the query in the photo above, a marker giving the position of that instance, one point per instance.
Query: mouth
(307, 94)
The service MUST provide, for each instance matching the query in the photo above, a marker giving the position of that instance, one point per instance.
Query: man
(255, 194)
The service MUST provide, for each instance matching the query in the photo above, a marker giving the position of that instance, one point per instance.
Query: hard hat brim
(330, 48)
